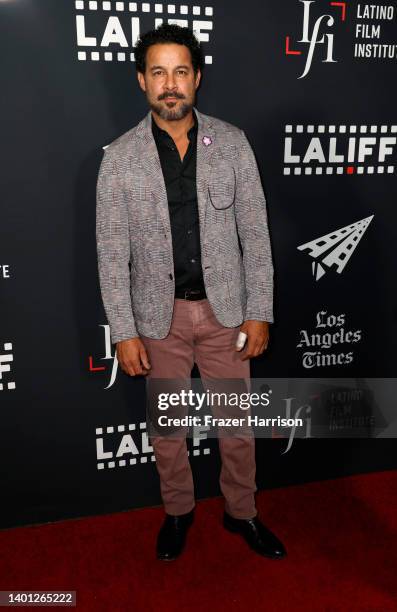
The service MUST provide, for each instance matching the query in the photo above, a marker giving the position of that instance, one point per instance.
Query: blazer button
(170, 275)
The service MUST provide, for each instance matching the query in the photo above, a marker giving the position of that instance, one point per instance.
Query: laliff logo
(339, 149)
(126, 445)
(335, 248)
(109, 30)
(5, 360)
(315, 36)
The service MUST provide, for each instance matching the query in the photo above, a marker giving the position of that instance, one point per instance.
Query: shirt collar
(158, 132)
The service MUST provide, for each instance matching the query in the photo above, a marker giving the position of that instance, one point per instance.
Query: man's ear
(198, 77)
(141, 80)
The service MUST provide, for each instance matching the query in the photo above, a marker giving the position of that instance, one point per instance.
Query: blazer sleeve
(252, 226)
(113, 252)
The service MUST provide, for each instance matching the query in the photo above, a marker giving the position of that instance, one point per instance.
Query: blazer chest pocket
(222, 185)
(136, 186)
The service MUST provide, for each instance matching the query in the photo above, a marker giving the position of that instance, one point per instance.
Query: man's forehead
(168, 53)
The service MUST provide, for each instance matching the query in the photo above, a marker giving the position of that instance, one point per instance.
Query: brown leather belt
(191, 294)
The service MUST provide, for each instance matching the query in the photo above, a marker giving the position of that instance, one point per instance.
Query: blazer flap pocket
(222, 185)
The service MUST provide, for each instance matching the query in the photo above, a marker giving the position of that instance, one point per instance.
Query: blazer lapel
(150, 162)
(206, 140)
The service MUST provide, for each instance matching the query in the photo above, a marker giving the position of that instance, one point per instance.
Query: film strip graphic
(147, 458)
(198, 17)
(5, 361)
(335, 248)
(347, 131)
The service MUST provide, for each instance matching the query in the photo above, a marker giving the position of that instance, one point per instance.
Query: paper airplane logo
(335, 248)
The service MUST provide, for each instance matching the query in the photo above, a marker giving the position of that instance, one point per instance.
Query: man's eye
(182, 71)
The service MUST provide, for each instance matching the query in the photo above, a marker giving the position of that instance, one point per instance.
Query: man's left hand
(257, 338)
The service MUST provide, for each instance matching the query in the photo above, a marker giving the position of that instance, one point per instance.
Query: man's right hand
(132, 356)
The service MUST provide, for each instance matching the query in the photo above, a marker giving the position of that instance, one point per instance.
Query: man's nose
(170, 81)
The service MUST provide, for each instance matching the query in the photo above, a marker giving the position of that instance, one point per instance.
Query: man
(175, 195)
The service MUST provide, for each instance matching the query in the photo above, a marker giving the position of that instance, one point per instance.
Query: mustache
(167, 94)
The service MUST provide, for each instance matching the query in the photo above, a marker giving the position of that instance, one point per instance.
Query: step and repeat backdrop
(312, 83)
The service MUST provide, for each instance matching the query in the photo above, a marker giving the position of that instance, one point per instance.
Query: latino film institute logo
(335, 248)
(95, 367)
(368, 32)
(314, 38)
(108, 30)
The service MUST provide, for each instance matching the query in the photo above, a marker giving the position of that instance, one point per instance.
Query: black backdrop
(60, 391)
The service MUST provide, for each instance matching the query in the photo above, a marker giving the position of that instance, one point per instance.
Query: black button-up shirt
(180, 182)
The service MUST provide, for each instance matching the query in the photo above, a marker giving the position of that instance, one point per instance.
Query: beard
(172, 114)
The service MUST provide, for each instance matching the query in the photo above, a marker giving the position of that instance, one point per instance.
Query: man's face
(169, 80)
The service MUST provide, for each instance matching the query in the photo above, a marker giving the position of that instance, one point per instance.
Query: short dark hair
(168, 33)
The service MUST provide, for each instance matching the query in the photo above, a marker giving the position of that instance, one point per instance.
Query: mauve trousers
(196, 336)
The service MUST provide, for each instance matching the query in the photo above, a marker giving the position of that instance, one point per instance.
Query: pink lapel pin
(207, 140)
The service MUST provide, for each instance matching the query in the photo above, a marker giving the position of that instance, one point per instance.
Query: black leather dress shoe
(257, 536)
(172, 535)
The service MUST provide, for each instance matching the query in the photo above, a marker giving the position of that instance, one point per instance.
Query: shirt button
(189, 231)
(193, 260)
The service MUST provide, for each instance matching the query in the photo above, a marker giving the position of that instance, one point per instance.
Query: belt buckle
(191, 292)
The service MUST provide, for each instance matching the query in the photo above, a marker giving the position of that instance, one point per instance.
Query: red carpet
(340, 537)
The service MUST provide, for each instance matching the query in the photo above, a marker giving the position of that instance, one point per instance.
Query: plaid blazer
(133, 233)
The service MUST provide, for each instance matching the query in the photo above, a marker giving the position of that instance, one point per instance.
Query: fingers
(133, 360)
(249, 348)
(133, 367)
(255, 346)
(144, 358)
